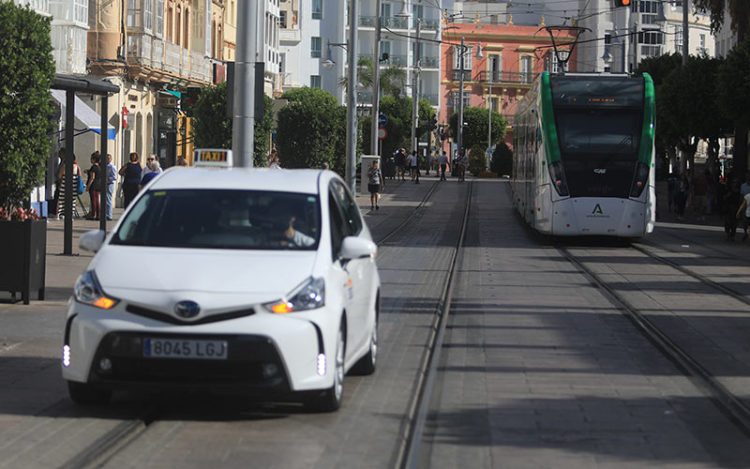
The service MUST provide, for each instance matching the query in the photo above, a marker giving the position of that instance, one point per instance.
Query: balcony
(139, 50)
(431, 25)
(393, 22)
(456, 75)
(292, 36)
(503, 78)
(173, 58)
(200, 68)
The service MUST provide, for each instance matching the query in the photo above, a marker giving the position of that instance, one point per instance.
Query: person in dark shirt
(131, 174)
(732, 202)
(93, 184)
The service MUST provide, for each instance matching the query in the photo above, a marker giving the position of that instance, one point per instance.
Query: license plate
(179, 348)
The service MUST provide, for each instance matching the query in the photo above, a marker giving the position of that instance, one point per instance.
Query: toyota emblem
(187, 309)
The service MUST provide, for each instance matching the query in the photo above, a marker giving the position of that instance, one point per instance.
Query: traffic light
(622, 3)
(189, 100)
(433, 124)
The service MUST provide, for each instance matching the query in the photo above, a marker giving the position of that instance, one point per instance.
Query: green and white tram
(583, 156)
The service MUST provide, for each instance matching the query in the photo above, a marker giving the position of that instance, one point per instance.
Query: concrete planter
(23, 250)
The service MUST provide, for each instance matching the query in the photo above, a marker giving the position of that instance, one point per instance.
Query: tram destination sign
(619, 92)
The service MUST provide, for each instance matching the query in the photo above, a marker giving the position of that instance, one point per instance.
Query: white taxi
(247, 279)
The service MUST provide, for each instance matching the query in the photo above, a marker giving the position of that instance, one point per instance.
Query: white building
(314, 35)
(650, 27)
(69, 30)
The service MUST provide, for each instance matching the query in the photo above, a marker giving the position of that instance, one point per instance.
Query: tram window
(599, 131)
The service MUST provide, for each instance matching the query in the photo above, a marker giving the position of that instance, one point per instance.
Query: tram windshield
(599, 129)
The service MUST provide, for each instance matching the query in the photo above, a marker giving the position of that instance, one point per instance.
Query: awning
(88, 117)
(174, 93)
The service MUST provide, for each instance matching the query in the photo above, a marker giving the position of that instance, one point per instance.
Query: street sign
(382, 119)
(382, 133)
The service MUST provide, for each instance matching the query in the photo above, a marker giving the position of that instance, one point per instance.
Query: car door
(358, 269)
(340, 278)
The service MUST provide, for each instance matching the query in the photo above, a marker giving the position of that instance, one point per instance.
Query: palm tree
(392, 78)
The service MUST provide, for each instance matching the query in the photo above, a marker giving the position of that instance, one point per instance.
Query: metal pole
(376, 85)
(69, 188)
(685, 32)
(415, 94)
(625, 41)
(351, 99)
(489, 117)
(461, 96)
(243, 115)
(103, 167)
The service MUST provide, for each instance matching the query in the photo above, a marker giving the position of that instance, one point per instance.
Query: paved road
(539, 370)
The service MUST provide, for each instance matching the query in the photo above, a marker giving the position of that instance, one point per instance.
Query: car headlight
(310, 295)
(88, 291)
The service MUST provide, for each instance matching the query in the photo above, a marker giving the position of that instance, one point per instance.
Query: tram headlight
(640, 181)
(557, 175)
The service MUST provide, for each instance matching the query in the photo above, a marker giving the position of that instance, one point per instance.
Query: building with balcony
(69, 29)
(620, 38)
(510, 58)
(154, 50)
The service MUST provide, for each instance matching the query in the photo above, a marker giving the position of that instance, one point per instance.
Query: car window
(337, 224)
(348, 207)
(222, 219)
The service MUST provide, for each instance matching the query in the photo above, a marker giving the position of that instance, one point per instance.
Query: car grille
(164, 317)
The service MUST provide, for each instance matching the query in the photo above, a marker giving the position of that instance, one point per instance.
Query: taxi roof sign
(212, 157)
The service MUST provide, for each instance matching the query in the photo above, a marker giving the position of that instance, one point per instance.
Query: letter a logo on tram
(598, 210)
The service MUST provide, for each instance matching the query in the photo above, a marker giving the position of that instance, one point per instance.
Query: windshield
(222, 219)
(599, 131)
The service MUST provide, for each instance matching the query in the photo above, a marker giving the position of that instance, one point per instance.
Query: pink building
(511, 58)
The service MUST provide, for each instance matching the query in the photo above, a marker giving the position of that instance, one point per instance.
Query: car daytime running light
(88, 291)
(310, 295)
(66, 356)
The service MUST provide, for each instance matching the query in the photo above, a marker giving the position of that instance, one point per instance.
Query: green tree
(739, 12)
(689, 103)
(392, 78)
(477, 160)
(213, 129)
(502, 160)
(398, 112)
(475, 130)
(733, 84)
(310, 129)
(26, 57)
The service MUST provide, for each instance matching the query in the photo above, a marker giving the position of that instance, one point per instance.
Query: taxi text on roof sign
(213, 157)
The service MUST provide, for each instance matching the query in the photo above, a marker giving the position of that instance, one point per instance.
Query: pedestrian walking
(131, 178)
(401, 164)
(181, 161)
(111, 182)
(732, 202)
(93, 185)
(443, 163)
(413, 165)
(61, 177)
(375, 183)
(683, 190)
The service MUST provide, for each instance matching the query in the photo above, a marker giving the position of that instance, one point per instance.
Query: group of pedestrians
(134, 177)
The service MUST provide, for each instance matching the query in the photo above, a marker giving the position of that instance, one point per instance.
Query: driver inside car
(295, 237)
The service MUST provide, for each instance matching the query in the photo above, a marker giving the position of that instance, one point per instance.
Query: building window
(650, 37)
(159, 17)
(315, 46)
(417, 11)
(315, 81)
(457, 58)
(317, 9)
(385, 48)
(646, 6)
(385, 10)
(678, 37)
(148, 15)
(186, 30)
(133, 13)
(82, 11)
(526, 69)
(283, 20)
(702, 41)
(170, 24)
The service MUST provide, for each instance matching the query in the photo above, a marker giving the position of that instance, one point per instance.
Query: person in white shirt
(443, 163)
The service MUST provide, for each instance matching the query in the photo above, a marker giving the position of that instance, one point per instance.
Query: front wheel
(330, 399)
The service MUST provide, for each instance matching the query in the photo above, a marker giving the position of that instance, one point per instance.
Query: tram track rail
(114, 441)
(727, 402)
(409, 450)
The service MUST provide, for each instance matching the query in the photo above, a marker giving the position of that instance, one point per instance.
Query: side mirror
(354, 247)
(92, 241)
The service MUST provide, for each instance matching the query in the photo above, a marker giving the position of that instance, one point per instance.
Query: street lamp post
(351, 100)
(415, 89)
(376, 85)
(461, 96)
(243, 118)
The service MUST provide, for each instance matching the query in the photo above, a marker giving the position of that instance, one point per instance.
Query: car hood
(126, 271)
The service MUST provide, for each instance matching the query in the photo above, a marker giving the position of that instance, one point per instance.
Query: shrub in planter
(476, 160)
(26, 50)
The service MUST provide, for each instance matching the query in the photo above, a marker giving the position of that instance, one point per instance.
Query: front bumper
(257, 344)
